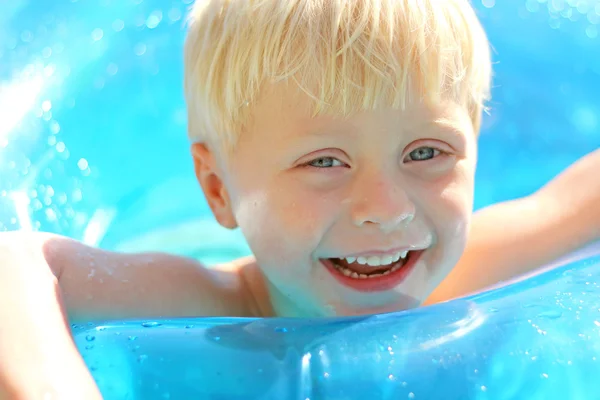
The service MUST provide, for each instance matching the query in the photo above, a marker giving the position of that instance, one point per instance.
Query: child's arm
(45, 278)
(512, 238)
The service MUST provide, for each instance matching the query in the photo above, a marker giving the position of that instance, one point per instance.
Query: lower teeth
(352, 274)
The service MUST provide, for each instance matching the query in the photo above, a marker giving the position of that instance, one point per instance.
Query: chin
(347, 309)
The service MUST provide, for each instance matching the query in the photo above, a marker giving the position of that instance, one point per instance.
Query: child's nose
(383, 203)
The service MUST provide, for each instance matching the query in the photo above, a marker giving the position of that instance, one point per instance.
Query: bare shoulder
(101, 285)
(255, 283)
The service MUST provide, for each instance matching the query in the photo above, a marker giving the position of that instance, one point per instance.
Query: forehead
(286, 111)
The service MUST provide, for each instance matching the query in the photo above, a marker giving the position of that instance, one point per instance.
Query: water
(93, 146)
(84, 83)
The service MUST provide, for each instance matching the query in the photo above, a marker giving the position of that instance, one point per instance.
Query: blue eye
(325, 162)
(423, 153)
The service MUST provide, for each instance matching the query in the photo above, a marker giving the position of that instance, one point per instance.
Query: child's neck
(283, 307)
(269, 301)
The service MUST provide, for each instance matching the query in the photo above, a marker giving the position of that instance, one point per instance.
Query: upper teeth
(376, 261)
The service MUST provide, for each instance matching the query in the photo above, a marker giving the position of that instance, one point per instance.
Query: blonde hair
(347, 55)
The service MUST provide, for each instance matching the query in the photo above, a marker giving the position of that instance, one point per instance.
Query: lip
(379, 284)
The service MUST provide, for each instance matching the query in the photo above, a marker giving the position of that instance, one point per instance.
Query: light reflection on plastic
(98, 225)
(306, 377)
(468, 324)
(21, 204)
(16, 99)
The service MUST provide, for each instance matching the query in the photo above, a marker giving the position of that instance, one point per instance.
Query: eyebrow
(449, 124)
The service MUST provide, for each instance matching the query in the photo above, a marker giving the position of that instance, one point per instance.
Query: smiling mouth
(369, 267)
(373, 274)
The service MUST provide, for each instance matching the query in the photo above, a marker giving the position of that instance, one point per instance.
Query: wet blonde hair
(347, 55)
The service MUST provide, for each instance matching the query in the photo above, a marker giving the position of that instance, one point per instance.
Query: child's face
(307, 192)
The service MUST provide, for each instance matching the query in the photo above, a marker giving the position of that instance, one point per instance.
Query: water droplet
(132, 337)
(483, 388)
(90, 338)
(82, 164)
(141, 358)
(544, 375)
(151, 324)
(597, 323)
(46, 105)
(530, 305)
(112, 69)
(89, 346)
(97, 34)
(189, 326)
(281, 330)
(174, 14)
(26, 36)
(118, 25)
(139, 49)
(154, 19)
(217, 338)
(592, 31)
(492, 310)
(411, 395)
(46, 52)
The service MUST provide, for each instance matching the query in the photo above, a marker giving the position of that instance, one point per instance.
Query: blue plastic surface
(93, 146)
(535, 339)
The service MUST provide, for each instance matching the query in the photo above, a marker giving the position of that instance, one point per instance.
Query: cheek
(282, 224)
(457, 216)
(449, 204)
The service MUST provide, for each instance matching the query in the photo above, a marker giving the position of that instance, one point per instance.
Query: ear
(213, 186)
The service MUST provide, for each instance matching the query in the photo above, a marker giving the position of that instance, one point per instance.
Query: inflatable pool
(82, 83)
(537, 339)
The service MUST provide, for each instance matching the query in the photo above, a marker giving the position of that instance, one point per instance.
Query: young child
(340, 137)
